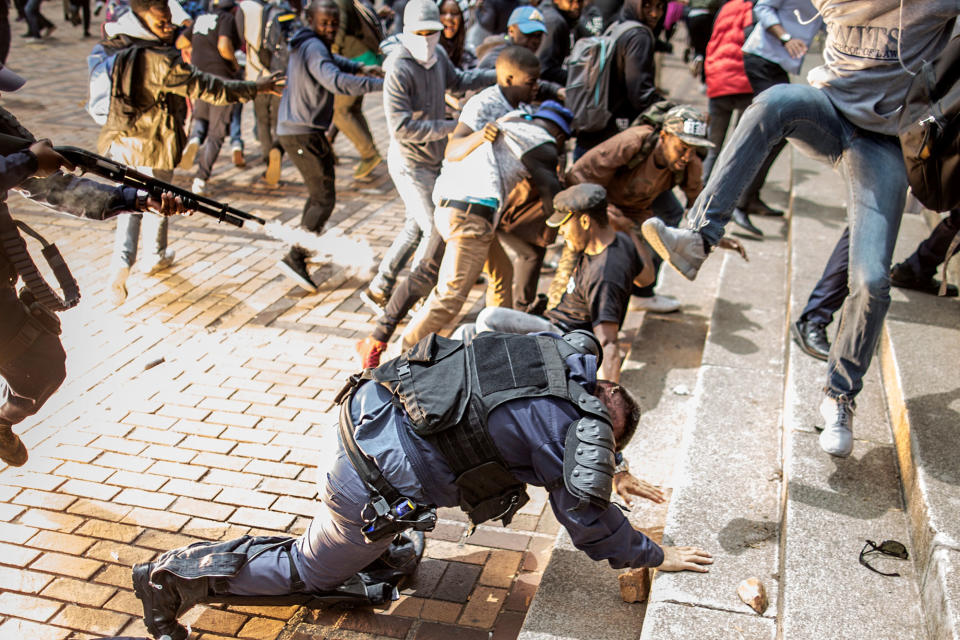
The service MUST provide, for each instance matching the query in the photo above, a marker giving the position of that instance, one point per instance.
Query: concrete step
(727, 481)
(919, 352)
(661, 369)
(833, 505)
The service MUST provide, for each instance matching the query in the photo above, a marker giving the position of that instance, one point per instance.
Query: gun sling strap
(16, 252)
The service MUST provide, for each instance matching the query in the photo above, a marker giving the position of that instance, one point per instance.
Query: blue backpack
(111, 78)
(100, 67)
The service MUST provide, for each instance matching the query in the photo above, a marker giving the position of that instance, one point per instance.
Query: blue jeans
(876, 181)
(236, 126)
(127, 236)
(415, 185)
(36, 21)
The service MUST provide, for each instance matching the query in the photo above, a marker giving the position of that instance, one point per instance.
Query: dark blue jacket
(313, 76)
(530, 434)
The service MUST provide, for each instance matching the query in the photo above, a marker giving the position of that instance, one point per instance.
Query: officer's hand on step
(627, 485)
(272, 84)
(491, 131)
(685, 559)
(48, 160)
(372, 70)
(734, 245)
(168, 205)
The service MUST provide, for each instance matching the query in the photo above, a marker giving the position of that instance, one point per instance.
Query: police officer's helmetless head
(623, 408)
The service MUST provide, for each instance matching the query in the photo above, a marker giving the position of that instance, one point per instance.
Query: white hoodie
(129, 24)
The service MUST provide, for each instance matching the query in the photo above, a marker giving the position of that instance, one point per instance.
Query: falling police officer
(31, 354)
(446, 424)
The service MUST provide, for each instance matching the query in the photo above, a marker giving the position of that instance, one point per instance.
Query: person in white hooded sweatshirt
(417, 73)
(847, 116)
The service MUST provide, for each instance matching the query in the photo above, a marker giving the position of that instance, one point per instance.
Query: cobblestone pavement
(223, 437)
(201, 409)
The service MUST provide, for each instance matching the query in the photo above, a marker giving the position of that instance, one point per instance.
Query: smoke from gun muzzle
(331, 245)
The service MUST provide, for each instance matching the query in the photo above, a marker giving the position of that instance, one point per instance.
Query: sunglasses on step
(890, 548)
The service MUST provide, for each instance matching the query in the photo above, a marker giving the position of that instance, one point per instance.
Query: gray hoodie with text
(867, 41)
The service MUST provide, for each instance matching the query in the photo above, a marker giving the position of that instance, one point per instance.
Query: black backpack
(930, 131)
(279, 23)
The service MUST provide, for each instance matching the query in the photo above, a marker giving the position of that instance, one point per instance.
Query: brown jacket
(160, 83)
(633, 189)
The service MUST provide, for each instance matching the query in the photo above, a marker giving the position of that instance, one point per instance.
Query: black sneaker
(812, 338)
(903, 277)
(12, 450)
(294, 266)
(160, 603)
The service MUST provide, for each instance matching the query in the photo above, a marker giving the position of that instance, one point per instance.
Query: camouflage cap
(688, 124)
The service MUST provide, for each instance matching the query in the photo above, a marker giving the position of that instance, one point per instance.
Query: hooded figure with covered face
(417, 73)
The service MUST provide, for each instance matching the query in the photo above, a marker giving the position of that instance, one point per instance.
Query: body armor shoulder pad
(588, 462)
(584, 342)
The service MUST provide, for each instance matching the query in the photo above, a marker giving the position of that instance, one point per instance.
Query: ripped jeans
(876, 181)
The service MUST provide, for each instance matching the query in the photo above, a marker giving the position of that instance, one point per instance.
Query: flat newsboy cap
(580, 198)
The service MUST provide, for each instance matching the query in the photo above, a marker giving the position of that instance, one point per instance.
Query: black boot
(812, 338)
(400, 560)
(165, 597)
(12, 450)
(742, 220)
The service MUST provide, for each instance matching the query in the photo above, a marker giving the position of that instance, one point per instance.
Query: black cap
(580, 198)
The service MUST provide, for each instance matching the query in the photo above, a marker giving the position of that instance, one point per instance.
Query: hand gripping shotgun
(114, 171)
(88, 162)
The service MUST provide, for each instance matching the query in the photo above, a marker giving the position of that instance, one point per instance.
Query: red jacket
(724, 63)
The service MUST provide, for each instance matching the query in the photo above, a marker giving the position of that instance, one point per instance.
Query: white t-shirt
(491, 171)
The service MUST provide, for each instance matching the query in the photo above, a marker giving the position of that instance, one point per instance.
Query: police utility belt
(447, 390)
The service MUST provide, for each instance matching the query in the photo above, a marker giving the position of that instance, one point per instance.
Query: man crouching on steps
(539, 417)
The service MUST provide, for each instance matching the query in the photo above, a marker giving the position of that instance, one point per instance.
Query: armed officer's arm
(82, 197)
(603, 534)
(15, 168)
(77, 196)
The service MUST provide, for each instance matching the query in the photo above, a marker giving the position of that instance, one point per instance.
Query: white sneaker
(189, 153)
(199, 186)
(118, 286)
(160, 263)
(837, 436)
(655, 304)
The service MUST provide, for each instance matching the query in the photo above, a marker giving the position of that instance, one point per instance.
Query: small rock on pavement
(635, 585)
(752, 592)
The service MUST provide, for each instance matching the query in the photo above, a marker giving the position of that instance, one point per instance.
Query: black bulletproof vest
(448, 390)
